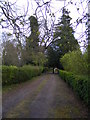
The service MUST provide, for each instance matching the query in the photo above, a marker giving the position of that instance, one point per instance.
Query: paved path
(46, 97)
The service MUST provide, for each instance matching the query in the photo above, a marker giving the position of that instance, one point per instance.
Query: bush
(75, 62)
(13, 74)
(45, 69)
(78, 83)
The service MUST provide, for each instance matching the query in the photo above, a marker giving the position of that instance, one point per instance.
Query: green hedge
(78, 83)
(13, 74)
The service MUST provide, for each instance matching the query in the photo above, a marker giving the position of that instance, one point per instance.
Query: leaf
(80, 20)
(60, 45)
(9, 34)
(38, 33)
(13, 20)
(1, 20)
(53, 15)
(78, 9)
(71, 2)
(42, 40)
(5, 2)
(21, 23)
(31, 40)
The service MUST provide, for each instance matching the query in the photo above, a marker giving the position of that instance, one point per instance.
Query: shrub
(45, 69)
(75, 62)
(13, 74)
(78, 83)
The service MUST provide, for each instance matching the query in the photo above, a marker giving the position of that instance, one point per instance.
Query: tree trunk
(53, 70)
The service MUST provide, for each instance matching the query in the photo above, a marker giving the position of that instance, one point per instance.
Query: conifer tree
(32, 42)
(33, 39)
(64, 40)
(64, 34)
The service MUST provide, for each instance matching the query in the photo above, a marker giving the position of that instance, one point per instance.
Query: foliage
(53, 58)
(13, 74)
(64, 40)
(32, 42)
(39, 59)
(75, 62)
(64, 34)
(78, 83)
(10, 54)
(33, 39)
(32, 53)
(16, 18)
(19, 55)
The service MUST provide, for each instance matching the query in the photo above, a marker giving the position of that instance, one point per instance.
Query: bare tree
(47, 20)
(10, 18)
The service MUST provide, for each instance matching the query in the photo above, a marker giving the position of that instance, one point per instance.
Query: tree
(14, 17)
(32, 43)
(33, 40)
(63, 42)
(64, 35)
(53, 57)
(39, 59)
(75, 62)
(10, 54)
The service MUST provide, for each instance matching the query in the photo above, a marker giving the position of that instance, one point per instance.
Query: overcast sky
(56, 6)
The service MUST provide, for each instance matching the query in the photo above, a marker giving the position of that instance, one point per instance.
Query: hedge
(13, 74)
(78, 84)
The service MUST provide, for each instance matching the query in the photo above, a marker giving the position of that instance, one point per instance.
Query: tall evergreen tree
(33, 39)
(32, 42)
(64, 40)
(64, 34)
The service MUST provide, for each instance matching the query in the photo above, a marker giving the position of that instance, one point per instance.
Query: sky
(56, 6)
